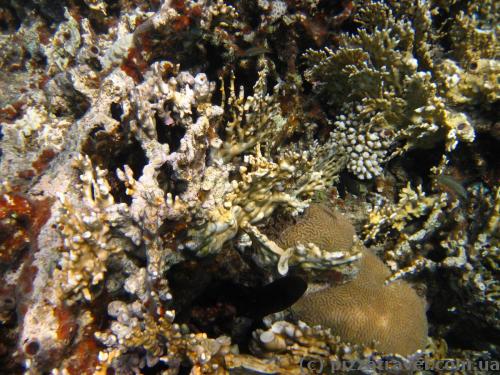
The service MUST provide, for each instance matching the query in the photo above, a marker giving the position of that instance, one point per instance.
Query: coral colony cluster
(246, 187)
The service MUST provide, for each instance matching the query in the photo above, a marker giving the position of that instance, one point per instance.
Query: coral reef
(402, 92)
(322, 228)
(179, 178)
(469, 251)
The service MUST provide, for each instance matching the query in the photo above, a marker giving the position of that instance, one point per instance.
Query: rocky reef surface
(253, 186)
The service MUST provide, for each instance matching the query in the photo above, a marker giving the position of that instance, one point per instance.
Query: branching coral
(396, 219)
(157, 110)
(152, 330)
(87, 237)
(469, 249)
(268, 175)
(115, 109)
(387, 79)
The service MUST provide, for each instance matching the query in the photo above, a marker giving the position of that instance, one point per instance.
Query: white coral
(366, 147)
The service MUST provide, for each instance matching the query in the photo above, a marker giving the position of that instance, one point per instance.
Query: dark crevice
(208, 300)
(169, 183)
(437, 254)
(10, 20)
(116, 111)
(111, 152)
(94, 63)
(169, 134)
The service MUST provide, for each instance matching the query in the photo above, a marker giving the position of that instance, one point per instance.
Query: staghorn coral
(474, 33)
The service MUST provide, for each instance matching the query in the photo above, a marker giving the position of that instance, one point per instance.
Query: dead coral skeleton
(137, 328)
(284, 345)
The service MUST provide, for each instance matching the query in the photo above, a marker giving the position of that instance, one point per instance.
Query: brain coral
(366, 310)
(322, 226)
(363, 310)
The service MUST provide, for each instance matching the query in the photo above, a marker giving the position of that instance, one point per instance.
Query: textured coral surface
(365, 310)
(213, 187)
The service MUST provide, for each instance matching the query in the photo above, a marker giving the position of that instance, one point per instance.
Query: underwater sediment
(212, 187)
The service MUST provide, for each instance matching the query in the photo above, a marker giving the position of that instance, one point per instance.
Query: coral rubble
(178, 180)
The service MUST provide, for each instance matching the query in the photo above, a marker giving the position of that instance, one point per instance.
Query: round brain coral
(321, 226)
(364, 310)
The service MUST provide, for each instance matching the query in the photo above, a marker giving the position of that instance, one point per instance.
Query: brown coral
(363, 310)
(322, 226)
(324, 243)
(366, 310)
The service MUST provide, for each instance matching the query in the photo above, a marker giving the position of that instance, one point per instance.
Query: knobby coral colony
(175, 174)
